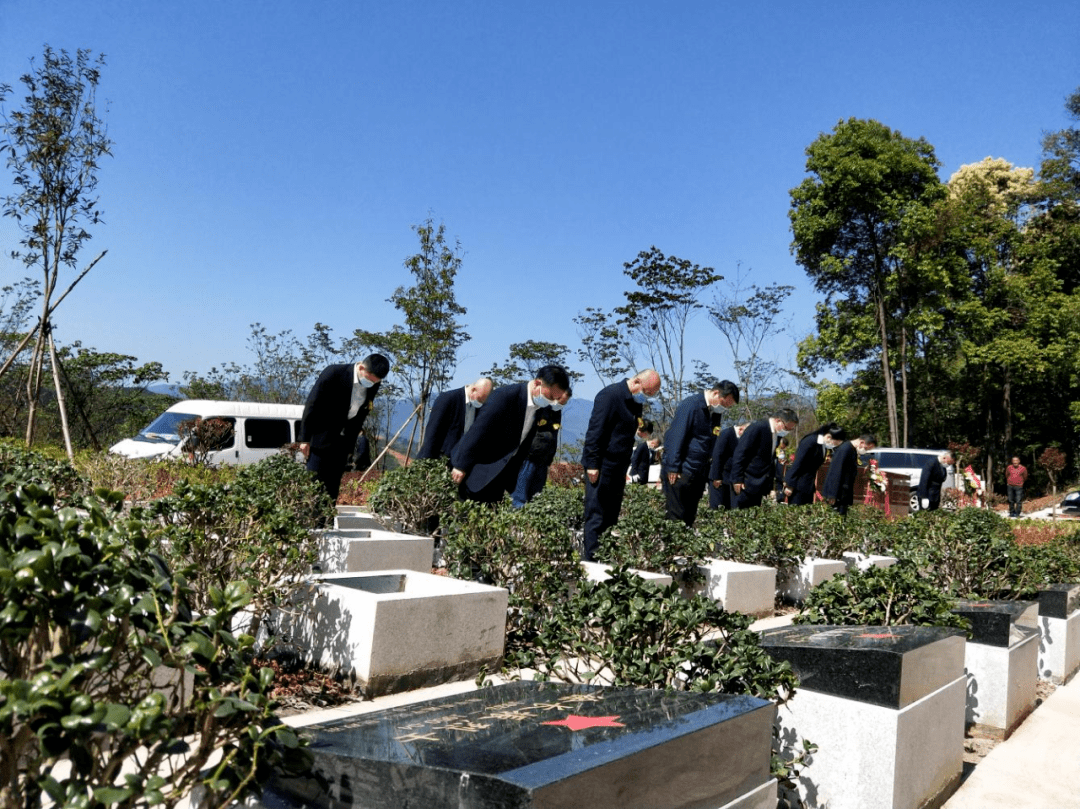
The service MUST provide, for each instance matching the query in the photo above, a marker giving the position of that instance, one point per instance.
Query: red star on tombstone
(882, 635)
(575, 722)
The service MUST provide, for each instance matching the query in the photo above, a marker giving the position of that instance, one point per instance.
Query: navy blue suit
(609, 443)
(688, 451)
(534, 469)
(720, 468)
(753, 464)
(326, 425)
(445, 425)
(802, 474)
(490, 454)
(839, 485)
(930, 482)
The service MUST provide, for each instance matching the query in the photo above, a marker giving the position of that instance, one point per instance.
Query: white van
(910, 462)
(258, 430)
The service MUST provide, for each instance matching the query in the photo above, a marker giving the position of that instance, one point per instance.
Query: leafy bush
(563, 504)
(414, 498)
(969, 553)
(756, 536)
(880, 596)
(645, 539)
(529, 551)
(627, 632)
(105, 671)
(30, 466)
(257, 530)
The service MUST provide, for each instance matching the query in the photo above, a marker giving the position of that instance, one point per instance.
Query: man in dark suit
(641, 460)
(545, 443)
(609, 443)
(334, 413)
(720, 468)
(451, 417)
(838, 489)
(800, 483)
(753, 464)
(688, 448)
(930, 481)
(486, 461)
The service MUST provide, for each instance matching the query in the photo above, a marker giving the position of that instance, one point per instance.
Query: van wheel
(913, 503)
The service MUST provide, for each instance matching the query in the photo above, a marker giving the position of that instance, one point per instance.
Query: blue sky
(270, 157)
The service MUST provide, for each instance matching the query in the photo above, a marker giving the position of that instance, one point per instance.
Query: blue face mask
(475, 403)
(542, 401)
(367, 383)
(640, 398)
(557, 406)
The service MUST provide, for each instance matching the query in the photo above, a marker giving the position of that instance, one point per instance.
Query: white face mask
(557, 406)
(780, 431)
(475, 403)
(720, 409)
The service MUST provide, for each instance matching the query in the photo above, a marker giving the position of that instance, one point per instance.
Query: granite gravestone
(1059, 600)
(999, 623)
(524, 745)
(889, 666)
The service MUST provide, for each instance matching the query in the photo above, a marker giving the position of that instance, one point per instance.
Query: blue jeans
(530, 481)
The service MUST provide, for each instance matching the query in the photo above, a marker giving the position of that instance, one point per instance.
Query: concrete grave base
(795, 583)
(361, 550)
(398, 629)
(875, 756)
(739, 587)
(1059, 648)
(356, 519)
(861, 561)
(597, 571)
(1001, 683)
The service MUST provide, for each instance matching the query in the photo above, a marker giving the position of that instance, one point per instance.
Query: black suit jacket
(492, 443)
(641, 461)
(545, 441)
(609, 440)
(930, 481)
(753, 463)
(723, 449)
(446, 424)
(839, 483)
(326, 424)
(802, 473)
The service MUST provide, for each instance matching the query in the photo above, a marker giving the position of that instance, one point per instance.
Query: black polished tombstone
(529, 745)
(889, 666)
(998, 623)
(1059, 600)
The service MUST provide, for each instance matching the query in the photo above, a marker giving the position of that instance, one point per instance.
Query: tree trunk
(886, 371)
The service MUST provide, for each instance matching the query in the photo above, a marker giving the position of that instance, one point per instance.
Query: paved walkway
(1036, 767)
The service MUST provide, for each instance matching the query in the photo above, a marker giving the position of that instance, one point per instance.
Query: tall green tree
(750, 318)
(53, 145)
(283, 370)
(526, 358)
(425, 345)
(869, 188)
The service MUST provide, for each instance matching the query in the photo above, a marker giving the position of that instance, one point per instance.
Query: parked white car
(258, 430)
(909, 461)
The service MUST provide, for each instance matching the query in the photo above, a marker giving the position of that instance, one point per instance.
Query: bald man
(451, 417)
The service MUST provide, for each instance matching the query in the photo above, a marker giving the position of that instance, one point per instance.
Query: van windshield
(164, 427)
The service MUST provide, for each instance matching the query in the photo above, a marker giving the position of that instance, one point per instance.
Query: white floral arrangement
(877, 477)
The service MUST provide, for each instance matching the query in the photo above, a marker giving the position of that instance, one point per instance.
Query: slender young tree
(52, 146)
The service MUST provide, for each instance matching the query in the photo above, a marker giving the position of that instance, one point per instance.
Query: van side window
(266, 433)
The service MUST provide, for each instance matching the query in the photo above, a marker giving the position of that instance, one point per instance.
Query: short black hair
(554, 375)
(377, 364)
(834, 431)
(868, 438)
(786, 414)
(726, 388)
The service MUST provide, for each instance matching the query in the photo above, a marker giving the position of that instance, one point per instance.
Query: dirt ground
(977, 745)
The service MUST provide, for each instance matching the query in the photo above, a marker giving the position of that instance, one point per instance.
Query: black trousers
(603, 501)
(684, 496)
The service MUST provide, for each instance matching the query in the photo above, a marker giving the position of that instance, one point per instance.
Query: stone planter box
(397, 630)
(597, 571)
(885, 705)
(794, 584)
(739, 587)
(355, 550)
(1059, 623)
